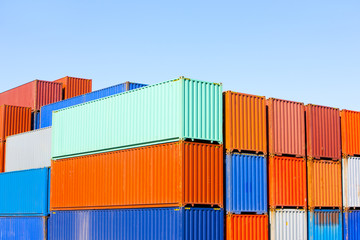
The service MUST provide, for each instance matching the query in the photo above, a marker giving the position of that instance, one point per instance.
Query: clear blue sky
(307, 51)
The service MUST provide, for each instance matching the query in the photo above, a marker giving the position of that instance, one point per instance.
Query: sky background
(306, 51)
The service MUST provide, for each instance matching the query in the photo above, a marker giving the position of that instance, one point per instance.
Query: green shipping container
(170, 111)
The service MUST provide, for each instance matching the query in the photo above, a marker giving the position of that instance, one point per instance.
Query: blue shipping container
(142, 224)
(352, 225)
(35, 120)
(25, 193)
(246, 184)
(325, 224)
(20, 228)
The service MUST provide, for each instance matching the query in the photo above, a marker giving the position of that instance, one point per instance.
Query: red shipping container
(73, 86)
(14, 120)
(323, 132)
(247, 227)
(350, 132)
(33, 94)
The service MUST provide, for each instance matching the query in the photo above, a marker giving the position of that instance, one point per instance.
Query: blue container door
(325, 224)
(21, 228)
(352, 225)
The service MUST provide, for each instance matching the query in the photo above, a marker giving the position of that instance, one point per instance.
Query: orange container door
(247, 227)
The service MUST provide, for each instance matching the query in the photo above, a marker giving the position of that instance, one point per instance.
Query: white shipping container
(28, 150)
(351, 182)
(286, 224)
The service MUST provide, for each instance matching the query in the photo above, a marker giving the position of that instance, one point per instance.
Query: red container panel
(14, 120)
(73, 86)
(247, 227)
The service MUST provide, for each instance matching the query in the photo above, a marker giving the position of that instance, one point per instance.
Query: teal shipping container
(180, 109)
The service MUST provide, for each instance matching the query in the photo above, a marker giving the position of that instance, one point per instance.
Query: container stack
(144, 164)
(324, 172)
(287, 170)
(246, 167)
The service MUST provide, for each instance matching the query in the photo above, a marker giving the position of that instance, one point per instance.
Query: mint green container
(181, 109)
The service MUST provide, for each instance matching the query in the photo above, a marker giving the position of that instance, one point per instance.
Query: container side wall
(351, 182)
(351, 225)
(20, 228)
(325, 224)
(350, 132)
(47, 93)
(133, 86)
(247, 227)
(286, 224)
(73, 86)
(105, 92)
(23, 96)
(14, 120)
(2, 156)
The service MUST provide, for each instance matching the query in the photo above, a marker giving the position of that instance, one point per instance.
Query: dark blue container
(35, 120)
(352, 225)
(325, 224)
(246, 184)
(20, 228)
(142, 224)
(25, 193)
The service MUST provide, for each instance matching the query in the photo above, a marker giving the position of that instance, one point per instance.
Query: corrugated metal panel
(165, 112)
(24, 192)
(73, 86)
(2, 155)
(35, 120)
(288, 224)
(287, 182)
(325, 225)
(350, 132)
(173, 174)
(46, 93)
(286, 127)
(21, 228)
(14, 120)
(28, 150)
(351, 182)
(324, 184)
(246, 183)
(323, 132)
(247, 227)
(245, 122)
(144, 224)
(132, 86)
(352, 225)
(105, 92)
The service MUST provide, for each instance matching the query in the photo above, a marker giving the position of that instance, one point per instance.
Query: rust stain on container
(287, 182)
(14, 120)
(245, 122)
(247, 227)
(323, 132)
(350, 132)
(286, 127)
(73, 86)
(172, 174)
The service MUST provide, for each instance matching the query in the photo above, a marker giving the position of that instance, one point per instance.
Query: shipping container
(143, 223)
(245, 122)
(21, 228)
(246, 184)
(2, 155)
(172, 174)
(325, 225)
(324, 184)
(288, 224)
(25, 193)
(352, 225)
(287, 182)
(323, 132)
(33, 94)
(286, 127)
(14, 120)
(351, 182)
(72, 86)
(183, 109)
(28, 150)
(247, 227)
(35, 120)
(350, 132)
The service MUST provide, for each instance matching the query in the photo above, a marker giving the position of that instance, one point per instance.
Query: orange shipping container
(245, 122)
(14, 120)
(2, 156)
(350, 132)
(73, 86)
(172, 174)
(324, 184)
(287, 182)
(247, 227)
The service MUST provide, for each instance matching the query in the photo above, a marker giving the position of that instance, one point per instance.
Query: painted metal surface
(246, 184)
(287, 182)
(247, 227)
(132, 86)
(25, 193)
(350, 132)
(325, 225)
(14, 120)
(172, 174)
(35, 120)
(351, 225)
(323, 132)
(288, 224)
(28, 150)
(2, 155)
(245, 122)
(21, 228)
(73, 86)
(286, 127)
(141, 224)
(351, 182)
(170, 111)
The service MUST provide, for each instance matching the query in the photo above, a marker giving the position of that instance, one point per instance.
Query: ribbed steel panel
(105, 92)
(246, 184)
(247, 227)
(287, 182)
(28, 150)
(350, 132)
(288, 224)
(352, 225)
(141, 224)
(325, 225)
(172, 174)
(35, 120)
(14, 120)
(351, 182)
(24, 193)
(132, 86)
(174, 110)
(286, 127)
(23, 228)
(2, 155)
(73, 86)
(323, 132)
